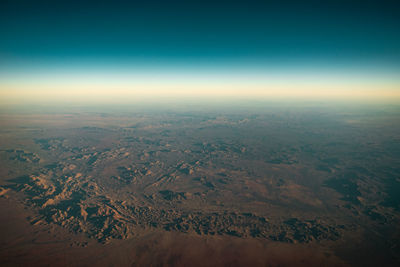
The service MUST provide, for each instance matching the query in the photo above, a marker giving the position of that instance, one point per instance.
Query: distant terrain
(261, 187)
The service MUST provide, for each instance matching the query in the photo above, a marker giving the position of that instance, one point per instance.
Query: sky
(125, 50)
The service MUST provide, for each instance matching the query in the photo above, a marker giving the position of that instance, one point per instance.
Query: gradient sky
(59, 48)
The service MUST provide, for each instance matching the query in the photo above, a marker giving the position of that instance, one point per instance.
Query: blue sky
(218, 37)
(185, 31)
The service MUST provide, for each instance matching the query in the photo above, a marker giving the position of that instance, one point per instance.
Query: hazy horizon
(91, 52)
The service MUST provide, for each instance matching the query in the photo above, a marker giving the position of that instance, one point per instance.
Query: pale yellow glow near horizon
(106, 90)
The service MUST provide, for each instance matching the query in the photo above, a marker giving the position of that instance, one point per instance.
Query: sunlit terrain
(315, 180)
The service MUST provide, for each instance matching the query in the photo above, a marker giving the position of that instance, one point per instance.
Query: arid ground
(265, 186)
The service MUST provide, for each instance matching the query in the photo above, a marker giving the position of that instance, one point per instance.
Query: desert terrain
(264, 186)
